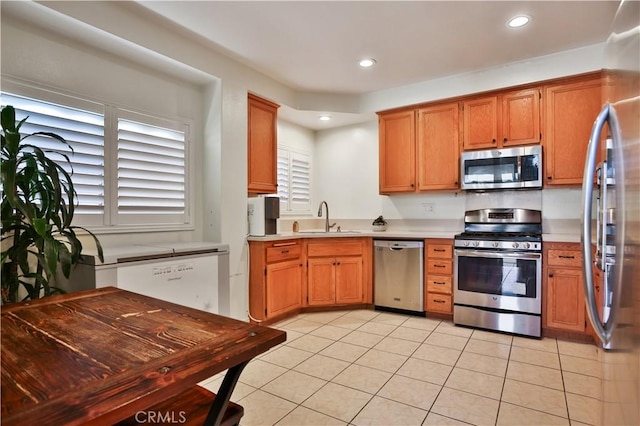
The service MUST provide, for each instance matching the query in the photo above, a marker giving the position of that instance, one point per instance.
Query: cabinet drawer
(440, 251)
(438, 284)
(283, 252)
(335, 249)
(439, 303)
(439, 267)
(564, 258)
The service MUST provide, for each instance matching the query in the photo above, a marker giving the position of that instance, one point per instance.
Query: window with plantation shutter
(130, 170)
(84, 131)
(282, 171)
(151, 172)
(294, 180)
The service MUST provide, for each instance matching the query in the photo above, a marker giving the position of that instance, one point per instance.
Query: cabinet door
(261, 146)
(438, 147)
(521, 117)
(480, 123)
(321, 281)
(397, 152)
(565, 299)
(570, 110)
(284, 287)
(349, 287)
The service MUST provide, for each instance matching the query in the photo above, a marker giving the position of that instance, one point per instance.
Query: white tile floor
(366, 367)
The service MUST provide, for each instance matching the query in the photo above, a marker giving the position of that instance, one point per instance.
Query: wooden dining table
(101, 356)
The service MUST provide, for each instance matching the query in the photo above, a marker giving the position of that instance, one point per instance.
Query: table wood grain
(103, 355)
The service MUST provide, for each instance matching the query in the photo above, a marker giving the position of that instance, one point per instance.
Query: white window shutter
(300, 181)
(282, 170)
(84, 131)
(151, 173)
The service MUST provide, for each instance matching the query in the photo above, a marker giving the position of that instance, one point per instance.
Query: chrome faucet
(326, 221)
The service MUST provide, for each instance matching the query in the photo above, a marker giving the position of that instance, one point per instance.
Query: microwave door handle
(519, 170)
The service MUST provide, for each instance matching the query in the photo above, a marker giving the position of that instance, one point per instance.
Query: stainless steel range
(498, 271)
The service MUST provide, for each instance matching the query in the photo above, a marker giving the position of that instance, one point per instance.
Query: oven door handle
(494, 254)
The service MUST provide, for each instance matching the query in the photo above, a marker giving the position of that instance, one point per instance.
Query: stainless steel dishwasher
(399, 276)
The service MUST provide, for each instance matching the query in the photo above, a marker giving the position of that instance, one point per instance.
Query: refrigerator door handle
(604, 330)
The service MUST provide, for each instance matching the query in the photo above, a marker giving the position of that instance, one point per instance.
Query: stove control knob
(495, 244)
(476, 243)
(515, 245)
(526, 245)
(465, 243)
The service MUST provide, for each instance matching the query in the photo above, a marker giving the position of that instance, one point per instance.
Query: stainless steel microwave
(510, 168)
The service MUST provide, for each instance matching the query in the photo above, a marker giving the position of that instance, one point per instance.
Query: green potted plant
(379, 224)
(38, 204)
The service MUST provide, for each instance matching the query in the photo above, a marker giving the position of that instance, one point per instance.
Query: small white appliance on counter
(190, 274)
(263, 213)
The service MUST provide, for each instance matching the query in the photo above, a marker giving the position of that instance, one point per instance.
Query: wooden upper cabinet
(570, 110)
(397, 152)
(480, 123)
(521, 117)
(262, 146)
(438, 146)
(508, 119)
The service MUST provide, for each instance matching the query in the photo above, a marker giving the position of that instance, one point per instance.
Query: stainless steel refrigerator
(611, 223)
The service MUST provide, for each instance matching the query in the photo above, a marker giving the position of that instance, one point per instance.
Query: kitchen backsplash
(445, 211)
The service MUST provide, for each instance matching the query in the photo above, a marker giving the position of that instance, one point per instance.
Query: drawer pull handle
(439, 282)
(439, 266)
(439, 301)
(439, 250)
(284, 251)
(566, 257)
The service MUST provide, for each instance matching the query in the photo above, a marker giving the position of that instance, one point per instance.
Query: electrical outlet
(428, 208)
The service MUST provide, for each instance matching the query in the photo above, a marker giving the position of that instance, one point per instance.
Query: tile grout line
(420, 343)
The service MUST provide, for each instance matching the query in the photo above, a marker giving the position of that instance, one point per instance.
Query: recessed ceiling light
(518, 21)
(324, 118)
(367, 62)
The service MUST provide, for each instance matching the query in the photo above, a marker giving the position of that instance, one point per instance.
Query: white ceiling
(314, 46)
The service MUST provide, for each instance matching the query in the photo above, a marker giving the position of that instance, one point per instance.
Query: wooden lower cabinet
(276, 277)
(565, 299)
(338, 271)
(335, 281)
(284, 287)
(439, 276)
(563, 289)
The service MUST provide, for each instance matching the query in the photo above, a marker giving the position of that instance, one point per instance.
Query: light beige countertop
(561, 238)
(356, 233)
(402, 235)
(567, 231)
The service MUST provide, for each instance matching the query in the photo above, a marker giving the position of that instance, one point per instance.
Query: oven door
(500, 280)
